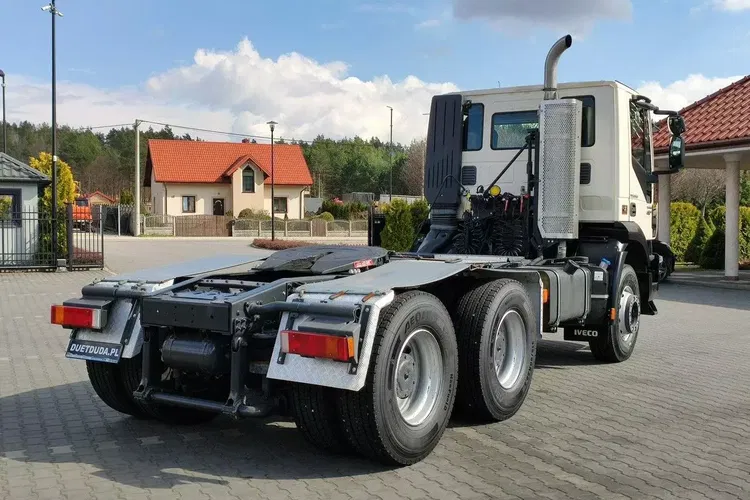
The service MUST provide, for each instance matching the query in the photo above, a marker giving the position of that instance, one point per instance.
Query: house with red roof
(717, 136)
(212, 178)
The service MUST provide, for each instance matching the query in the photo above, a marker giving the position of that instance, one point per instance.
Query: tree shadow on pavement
(149, 454)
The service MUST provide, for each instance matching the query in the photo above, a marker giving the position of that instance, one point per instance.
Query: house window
(10, 207)
(188, 204)
(473, 128)
(279, 205)
(248, 180)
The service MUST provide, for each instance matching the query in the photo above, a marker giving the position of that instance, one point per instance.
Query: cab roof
(540, 88)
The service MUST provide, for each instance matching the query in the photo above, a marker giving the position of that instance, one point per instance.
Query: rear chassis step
(230, 314)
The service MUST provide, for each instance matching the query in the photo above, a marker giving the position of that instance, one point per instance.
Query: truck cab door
(641, 200)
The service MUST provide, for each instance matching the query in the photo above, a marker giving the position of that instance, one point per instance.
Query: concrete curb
(724, 285)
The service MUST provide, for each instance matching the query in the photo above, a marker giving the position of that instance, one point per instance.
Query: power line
(117, 125)
(212, 131)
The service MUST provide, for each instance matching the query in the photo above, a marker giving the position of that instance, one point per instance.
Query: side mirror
(676, 125)
(676, 153)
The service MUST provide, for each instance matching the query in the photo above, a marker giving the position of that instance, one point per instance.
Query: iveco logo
(586, 333)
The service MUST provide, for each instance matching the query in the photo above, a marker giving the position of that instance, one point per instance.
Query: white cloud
(429, 23)
(733, 5)
(681, 93)
(576, 16)
(239, 91)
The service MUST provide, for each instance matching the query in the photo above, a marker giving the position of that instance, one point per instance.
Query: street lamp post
(390, 152)
(5, 135)
(53, 10)
(272, 124)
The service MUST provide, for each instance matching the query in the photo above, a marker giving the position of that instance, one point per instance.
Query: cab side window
(473, 128)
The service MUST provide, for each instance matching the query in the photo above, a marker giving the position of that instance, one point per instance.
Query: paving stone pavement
(673, 422)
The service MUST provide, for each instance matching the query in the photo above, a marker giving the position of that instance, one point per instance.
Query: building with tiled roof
(211, 178)
(717, 136)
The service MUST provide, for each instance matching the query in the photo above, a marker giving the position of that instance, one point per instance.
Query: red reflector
(317, 345)
(364, 263)
(78, 317)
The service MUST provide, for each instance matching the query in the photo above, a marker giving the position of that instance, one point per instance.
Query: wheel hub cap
(418, 376)
(630, 315)
(509, 349)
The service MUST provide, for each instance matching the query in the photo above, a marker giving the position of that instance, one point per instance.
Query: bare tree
(699, 186)
(413, 174)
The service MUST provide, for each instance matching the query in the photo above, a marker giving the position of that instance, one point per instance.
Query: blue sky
(116, 51)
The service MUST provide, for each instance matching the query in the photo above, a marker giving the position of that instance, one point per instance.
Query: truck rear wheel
(497, 337)
(108, 383)
(402, 411)
(316, 415)
(618, 342)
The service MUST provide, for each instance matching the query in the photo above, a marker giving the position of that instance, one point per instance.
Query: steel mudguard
(325, 372)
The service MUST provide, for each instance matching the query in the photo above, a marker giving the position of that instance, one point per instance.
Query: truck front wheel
(618, 341)
(401, 413)
(497, 337)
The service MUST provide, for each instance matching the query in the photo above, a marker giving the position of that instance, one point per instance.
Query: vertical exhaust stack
(550, 66)
(558, 188)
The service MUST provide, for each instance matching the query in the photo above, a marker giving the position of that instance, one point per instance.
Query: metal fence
(118, 219)
(26, 240)
(85, 239)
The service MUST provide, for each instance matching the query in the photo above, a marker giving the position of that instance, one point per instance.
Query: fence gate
(319, 228)
(202, 225)
(85, 232)
(26, 239)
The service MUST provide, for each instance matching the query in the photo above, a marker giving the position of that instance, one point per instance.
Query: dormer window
(248, 180)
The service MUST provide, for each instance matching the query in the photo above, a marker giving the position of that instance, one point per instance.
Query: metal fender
(325, 372)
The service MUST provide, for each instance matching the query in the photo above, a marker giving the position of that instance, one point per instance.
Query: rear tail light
(76, 317)
(317, 345)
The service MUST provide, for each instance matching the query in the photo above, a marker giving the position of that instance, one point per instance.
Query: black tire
(316, 415)
(131, 370)
(481, 395)
(611, 347)
(372, 420)
(107, 381)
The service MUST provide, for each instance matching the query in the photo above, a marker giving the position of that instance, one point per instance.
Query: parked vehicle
(371, 351)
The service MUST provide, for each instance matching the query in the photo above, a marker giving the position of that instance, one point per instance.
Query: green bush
(712, 256)
(420, 211)
(684, 224)
(229, 213)
(717, 216)
(327, 216)
(744, 234)
(398, 233)
(699, 241)
(249, 213)
(346, 211)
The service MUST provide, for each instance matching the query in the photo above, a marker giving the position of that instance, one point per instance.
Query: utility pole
(54, 12)
(5, 124)
(390, 152)
(137, 192)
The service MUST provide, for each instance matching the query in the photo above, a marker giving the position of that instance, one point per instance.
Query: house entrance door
(218, 206)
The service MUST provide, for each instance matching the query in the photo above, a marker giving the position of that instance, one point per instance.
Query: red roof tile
(722, 118)
(175, 161)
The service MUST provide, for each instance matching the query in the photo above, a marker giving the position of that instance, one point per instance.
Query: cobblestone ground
(672, 422)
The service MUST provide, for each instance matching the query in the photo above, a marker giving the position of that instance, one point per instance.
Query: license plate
(94, 351)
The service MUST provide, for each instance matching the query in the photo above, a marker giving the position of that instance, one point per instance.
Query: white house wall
(204, 196)
(295, 200)
(19, 243)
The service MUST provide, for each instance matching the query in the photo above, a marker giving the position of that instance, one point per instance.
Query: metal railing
(26, 239)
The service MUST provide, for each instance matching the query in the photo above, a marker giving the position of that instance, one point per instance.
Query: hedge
(398, 233)
(713, 253)
(684, 224)
(699, 241)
